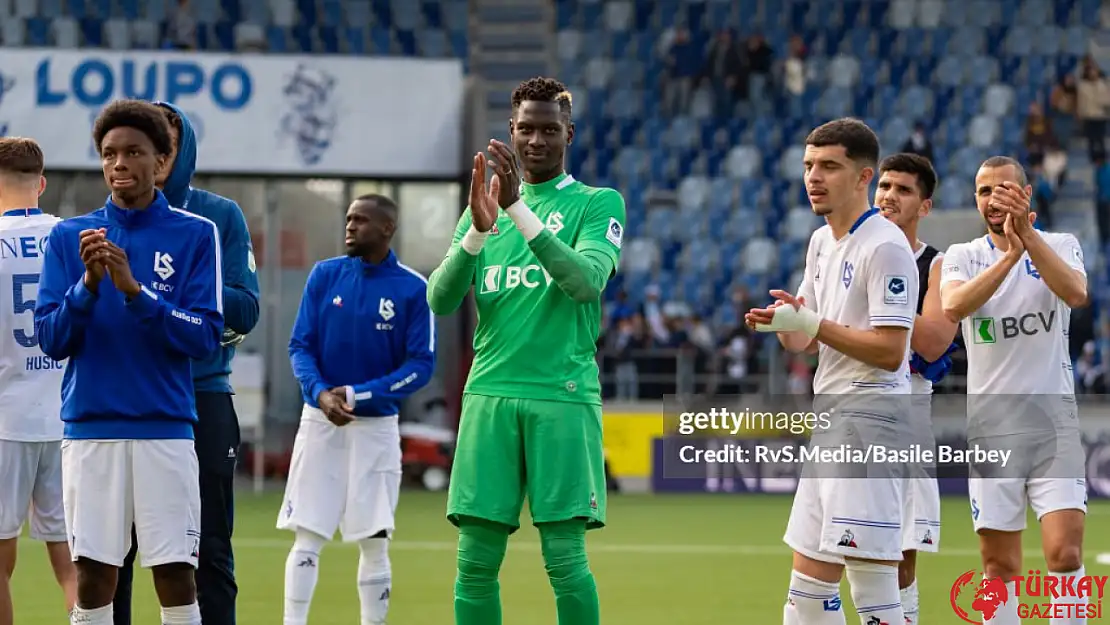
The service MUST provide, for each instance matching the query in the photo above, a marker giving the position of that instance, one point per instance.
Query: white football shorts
(346, 478)
(110, 485)
(1049, 482)
(832, 519)
(32, 474)
(922, 516)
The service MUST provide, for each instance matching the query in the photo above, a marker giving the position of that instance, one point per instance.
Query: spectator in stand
(726, 73)
(795, 77)
(919, 142)
(181, 28)
(1090, 374)
(683, 63)
(1093, 105)
(1039, 139)
(1062, 102)
(760, 60)
(1044, 192)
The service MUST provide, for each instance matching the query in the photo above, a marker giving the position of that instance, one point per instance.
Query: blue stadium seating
(426, 28)
(968, 69)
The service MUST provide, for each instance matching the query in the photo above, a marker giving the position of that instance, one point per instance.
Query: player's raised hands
(506, 171)
(1017, 248)
(483, 201)
(335, 407)
(1012, 199)
(93, 244)
(119, 270)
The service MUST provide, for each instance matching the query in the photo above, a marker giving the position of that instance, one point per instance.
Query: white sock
(95, 616)
(812, 602)
(181, 615)
(374, 580)
(302, 568)
(875, 592)
(1006, 614)
(909, 603)
(1069, 599)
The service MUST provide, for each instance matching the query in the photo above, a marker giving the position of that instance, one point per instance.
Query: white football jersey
(30, 381)
(867, 279)
(1017, 343)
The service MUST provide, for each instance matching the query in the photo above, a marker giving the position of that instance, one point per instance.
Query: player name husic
(731, 453)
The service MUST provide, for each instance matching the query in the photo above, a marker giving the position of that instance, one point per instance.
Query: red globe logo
(989, 596)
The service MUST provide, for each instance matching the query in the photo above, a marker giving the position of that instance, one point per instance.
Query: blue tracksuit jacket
(129, 374)
(365, 326)
(240, 278)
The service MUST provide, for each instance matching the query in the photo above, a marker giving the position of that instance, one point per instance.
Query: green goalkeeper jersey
(532, 340)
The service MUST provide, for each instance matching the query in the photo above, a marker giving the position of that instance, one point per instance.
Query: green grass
(663, 559)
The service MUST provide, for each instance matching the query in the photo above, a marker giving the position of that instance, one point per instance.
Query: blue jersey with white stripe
(129, 374)
(366, 326)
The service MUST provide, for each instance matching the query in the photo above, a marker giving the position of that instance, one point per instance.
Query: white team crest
(555, 222)
(385, 309)
(163, 265)
(250, 261)
(615, 232)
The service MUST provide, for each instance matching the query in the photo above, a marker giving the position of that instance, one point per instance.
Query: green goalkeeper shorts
(550, 450)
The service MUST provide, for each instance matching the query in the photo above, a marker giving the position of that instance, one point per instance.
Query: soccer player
(217, 429)
(363, 341)
(904, 196)
(1013, 291)
(539, 254)
(30, 401)
(855, 307)
(131, 294)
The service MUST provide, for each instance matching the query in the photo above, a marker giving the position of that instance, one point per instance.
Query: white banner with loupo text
(254, 114)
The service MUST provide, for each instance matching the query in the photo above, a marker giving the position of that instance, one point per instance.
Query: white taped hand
(786, 318)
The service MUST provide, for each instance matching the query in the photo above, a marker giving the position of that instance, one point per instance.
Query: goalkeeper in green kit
(538, 252)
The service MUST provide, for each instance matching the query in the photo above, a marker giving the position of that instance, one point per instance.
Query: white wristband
(526, 221)
(473, 241)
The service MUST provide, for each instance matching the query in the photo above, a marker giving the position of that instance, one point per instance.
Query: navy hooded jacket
(240, 279)
(129, 374)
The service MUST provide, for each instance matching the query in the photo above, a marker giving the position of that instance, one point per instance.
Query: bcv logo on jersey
(163, 268)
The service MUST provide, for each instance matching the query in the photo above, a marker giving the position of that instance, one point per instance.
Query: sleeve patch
(250, 261)
(615, 233)
(896, 292)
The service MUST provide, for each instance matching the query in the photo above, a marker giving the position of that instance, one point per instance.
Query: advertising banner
(255, 114)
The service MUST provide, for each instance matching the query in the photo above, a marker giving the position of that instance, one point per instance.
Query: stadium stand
(711, 171)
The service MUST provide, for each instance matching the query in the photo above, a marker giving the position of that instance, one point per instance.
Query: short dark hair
(143, 116)
(860, 143)
(915, 164)
(380, 202)
(1002, 161)
(540, 89)
(21, 156)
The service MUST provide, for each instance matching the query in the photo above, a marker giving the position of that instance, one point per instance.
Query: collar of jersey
(557, 183)
(862, 218)
(136, 218)
(22, 212)
(390, 260)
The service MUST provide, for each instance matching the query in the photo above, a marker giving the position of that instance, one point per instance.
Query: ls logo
(163, 265)
(1031, 269)
(832, 605)
(385, 309)
(846, 274)
(555, 223)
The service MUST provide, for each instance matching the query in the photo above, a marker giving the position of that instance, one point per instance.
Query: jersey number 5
(21, 305)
